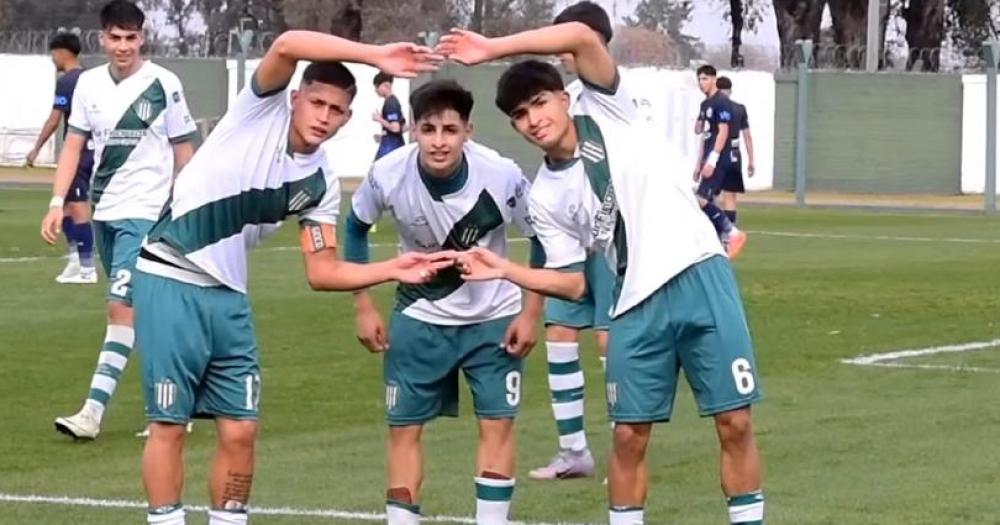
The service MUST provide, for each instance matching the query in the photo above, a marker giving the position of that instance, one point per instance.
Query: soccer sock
(493, 496)
(400, 513)
(731, 215)
(718, 218)
(84, 236)
(566, 385)
(226, 517)
(166, 515)
(68, 231)
(746, 509)
(114, 356)
(626, 516)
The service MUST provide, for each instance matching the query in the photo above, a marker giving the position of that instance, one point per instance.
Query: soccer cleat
(734, 243)
(83, 276)
(566, 465)
(80, 426)
(71, 271)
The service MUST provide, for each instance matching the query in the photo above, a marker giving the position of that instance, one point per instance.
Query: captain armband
(315, 237)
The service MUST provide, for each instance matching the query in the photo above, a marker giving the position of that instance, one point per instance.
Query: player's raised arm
(593, 59)
(278, 65)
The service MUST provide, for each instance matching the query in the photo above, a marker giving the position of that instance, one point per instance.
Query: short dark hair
(382, 77)
(67, 41)
(122, 14)
(440, 95)
(724, 83)
(590, 14)
(332, 73)
(524, 80)
(707, 70)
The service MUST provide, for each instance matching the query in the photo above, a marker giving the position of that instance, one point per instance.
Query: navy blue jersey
(740, 121)
(63, 102)
(392, 111)
(715, 110)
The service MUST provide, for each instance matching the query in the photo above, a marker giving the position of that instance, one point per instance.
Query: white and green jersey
(472, 208)
(236, 191)
(563, 204)
(649, 223)
(134, 124)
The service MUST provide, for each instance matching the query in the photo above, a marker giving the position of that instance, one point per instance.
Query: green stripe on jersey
(126, 136)
(594, 152)
(218, 220)
(484, 217)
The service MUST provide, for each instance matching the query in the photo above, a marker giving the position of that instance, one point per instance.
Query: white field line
(333, 514)
(800, 235)
(891, 359)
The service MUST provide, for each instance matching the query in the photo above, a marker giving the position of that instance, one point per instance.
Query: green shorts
(118, 244)
(594, 309)
(423, 361)
(695, 322)
(199, 352)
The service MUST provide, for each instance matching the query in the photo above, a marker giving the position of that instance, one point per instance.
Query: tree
(641, 46)
(924, 33)
(797, 20)
(969, 23)
(668, 17)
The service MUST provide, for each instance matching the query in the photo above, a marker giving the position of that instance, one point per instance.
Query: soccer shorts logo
(166, 394)
(391, 396)
(612, 392)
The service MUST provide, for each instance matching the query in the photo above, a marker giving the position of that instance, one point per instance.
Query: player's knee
(237, 436)
(405, 436)
(496, 434)
(167, 434)
(560, 334)
(734, 427)
(631, 440)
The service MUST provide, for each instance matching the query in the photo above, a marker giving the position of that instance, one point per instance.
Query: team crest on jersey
(593, 151)
(176, 96)
(166, 394)
(143, 109)
(511, 202)
(708, 112)
(612, 392)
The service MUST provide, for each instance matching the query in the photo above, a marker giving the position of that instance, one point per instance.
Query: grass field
(843, 444)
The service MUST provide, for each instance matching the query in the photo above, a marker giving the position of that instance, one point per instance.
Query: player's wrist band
(713, 158)
(57, 202)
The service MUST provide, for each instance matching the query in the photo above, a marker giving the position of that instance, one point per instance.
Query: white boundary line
(890, 359)
(36, 499)
(798, 235)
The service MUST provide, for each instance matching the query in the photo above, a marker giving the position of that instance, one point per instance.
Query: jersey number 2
(122, 280)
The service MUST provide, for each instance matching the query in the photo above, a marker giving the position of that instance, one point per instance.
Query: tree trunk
(347, 21)
(478, 7)
(924, 33)
(736, 16)
(797, 20)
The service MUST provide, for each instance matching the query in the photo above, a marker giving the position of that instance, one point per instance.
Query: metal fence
(853, 57)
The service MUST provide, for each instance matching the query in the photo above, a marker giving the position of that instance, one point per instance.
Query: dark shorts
(79, 190)
(389, 144)
(732, 180)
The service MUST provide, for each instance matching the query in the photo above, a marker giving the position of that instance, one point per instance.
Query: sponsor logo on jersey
(299, 201)
(469, 235)
(593, 151)
(176, 96)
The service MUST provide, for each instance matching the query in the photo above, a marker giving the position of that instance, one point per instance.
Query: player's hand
(465, 47)
(521, 336)
(480, 264)
(52, 225)
(419, 268)
(29, 160)
(371, 330)
(377, 117)
(707, 170)
(406, 60)
(751, 169)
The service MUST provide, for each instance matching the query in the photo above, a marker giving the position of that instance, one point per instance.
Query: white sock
(566, 384)
(118, 343)
(626, 516)
(746, 508)
(173, 515)
(225, 517)
(493, 498)
(396, 514)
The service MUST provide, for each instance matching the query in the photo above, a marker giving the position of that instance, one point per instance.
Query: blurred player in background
(740, 125)
(261, 164)
(391, 117)
(446, 192)
(136, 114)
(715, 159)
(677, 302)
(65, 50)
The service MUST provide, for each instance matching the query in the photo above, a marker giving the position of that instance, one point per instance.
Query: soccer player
(716, 159)
(262, 163)
(446, 192)
(391, 117)
(565, 319)
(677, 304)
(740, 125)
(65, 50)
(135, 112)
